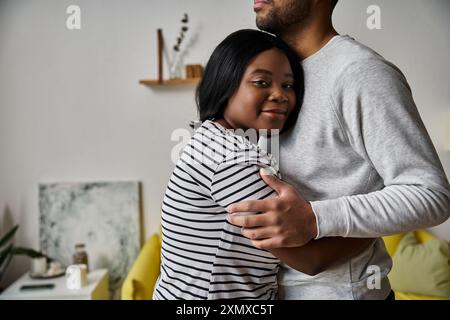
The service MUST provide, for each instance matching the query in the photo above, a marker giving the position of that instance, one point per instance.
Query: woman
(252, 80)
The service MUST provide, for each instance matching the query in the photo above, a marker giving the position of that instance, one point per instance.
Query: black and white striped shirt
(202, 255)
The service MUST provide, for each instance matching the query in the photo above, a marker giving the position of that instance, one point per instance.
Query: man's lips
(259, 4)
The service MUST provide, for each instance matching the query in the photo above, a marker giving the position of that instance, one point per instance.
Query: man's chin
(264, 22)
(261, 23)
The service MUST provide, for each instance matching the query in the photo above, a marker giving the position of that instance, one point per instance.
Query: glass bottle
(80, 256)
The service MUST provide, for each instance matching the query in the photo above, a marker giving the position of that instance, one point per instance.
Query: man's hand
(284, 221)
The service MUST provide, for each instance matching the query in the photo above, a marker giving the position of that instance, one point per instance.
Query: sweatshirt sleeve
(377, 113)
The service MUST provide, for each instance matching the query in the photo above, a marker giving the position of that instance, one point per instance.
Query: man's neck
(309, 38)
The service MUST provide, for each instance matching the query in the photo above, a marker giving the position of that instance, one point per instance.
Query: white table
(97, 288)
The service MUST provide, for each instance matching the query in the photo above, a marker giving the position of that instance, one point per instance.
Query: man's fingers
(253, 206)
(258, 233)
(267, 244)
(249, 221)
(271, 180)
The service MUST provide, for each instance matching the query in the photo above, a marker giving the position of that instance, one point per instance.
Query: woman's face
(265, 97)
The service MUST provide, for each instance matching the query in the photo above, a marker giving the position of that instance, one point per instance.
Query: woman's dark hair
(227, 65)
(333, 3)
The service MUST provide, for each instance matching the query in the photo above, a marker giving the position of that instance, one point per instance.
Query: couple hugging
(355, 164)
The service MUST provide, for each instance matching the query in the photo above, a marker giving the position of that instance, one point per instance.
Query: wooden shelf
(160, 81)
(169, 82)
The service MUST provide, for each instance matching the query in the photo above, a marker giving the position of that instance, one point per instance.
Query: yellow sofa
(140, 281)
(391, 243)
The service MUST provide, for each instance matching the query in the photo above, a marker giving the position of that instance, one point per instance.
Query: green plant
(8, 251)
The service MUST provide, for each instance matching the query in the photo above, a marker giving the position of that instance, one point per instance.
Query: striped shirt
(202, 255)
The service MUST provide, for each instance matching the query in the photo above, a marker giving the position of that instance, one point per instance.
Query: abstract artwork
(105, 216)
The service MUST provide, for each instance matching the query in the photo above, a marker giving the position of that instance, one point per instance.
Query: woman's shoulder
(227, 142)
(232, 147)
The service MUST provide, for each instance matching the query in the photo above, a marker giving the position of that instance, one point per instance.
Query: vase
(175, 71)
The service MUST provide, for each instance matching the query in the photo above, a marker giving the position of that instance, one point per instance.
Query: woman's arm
(319, 255)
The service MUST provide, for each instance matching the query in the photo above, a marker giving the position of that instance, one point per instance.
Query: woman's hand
(284, 221)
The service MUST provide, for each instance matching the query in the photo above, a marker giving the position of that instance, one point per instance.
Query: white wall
(71, 108)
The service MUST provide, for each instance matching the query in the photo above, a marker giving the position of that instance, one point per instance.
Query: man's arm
(377, 111)
(277, 230)
(320, 255)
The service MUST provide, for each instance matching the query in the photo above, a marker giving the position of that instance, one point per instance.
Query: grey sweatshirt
(363, 158)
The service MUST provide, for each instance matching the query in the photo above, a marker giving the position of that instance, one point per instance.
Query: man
(359, 161)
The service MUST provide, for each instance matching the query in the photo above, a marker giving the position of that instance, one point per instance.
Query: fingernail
(266, 172)
(228, 209)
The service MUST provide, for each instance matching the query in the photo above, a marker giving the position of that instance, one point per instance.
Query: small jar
(80, 256)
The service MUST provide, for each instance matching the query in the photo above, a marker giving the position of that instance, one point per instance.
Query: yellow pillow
(421, 268)
(413, 296)
(141, 279)
(392, 242)
(424, 236)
